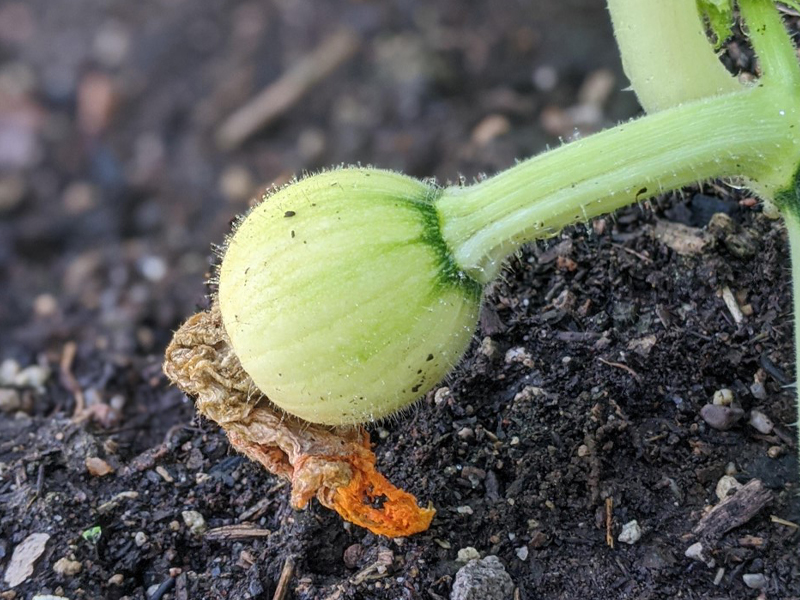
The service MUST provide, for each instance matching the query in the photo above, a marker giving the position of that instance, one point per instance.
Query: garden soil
(576, 411)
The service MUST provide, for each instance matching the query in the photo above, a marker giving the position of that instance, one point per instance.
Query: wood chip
(283, 582)
(284, 93)
(242, 531)
(734, 511)
(24, 558)
(68, 379)
(732, 304)
(683, 239)
(377, 570)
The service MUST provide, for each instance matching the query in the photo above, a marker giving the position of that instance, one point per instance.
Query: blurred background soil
(577, 411)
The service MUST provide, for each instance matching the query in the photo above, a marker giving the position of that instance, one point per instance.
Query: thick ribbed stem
(745, 133)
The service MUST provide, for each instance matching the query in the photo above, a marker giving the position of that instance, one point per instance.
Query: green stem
(666, 54)
(773, 46)
(792, 221)
(747, 133)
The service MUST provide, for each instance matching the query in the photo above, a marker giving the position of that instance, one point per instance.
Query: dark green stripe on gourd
(787, 199)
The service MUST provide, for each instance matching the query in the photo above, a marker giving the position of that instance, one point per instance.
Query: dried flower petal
(335, 464)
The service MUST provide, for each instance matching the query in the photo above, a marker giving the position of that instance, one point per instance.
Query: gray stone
(761, 422)
(721, 417)
(484, 579)
(755, 581)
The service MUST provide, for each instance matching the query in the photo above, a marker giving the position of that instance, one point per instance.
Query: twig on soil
(236, 532)
(283, 582)
(735, 510)
(114, 502)
(625, 368)
(68, 379)
(633, 252)
(282, 94)
(40, 480)
(163, 589)
(609, 522)
(255, 511)
(779, 521)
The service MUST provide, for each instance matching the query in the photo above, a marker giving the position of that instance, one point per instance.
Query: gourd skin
(341, 299)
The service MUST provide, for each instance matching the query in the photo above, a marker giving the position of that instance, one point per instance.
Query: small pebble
(153, 268)
(725, 486)
(721, 417)
(466, 433)
(583, 450)
(489, 348)
(140, 539)
(97, 467)
(761, 422)
(48, 597)
(528, 393)
(311, 144)
(111, 44)
(194, 521)
(65, 566)
(697, 552)
(116, 579)
(522, 553)
(491, 127)
(467, 554)
(236, 184)
(8, 371)
(758, 390)
(442, 396)
(352, 555)
(45, 305)
(484, 579)
(164, 474)
(195, 460)
(9, 400)
(723, 397)
(519, 355)
(33, 376)
(631, 533)
(755, 581)
(464, 510)
(775, 451)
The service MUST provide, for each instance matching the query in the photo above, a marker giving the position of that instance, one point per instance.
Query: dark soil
(583, 388)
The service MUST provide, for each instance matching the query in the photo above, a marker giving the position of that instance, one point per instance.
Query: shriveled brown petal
(334, 463)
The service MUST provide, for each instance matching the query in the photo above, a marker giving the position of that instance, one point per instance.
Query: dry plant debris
(335, 464)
